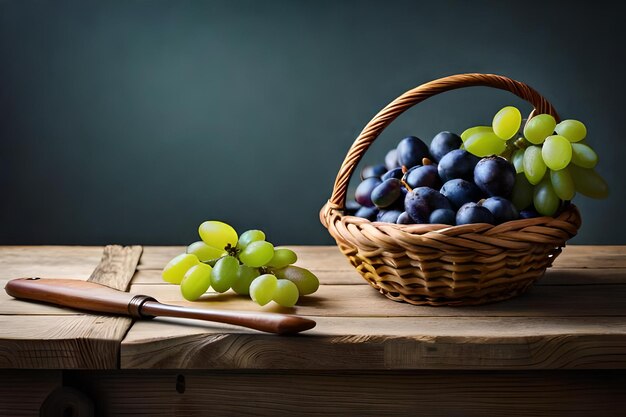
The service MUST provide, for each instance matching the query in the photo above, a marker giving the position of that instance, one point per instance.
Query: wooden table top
(573, 318)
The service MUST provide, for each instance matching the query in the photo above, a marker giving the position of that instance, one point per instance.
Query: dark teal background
(133, 121)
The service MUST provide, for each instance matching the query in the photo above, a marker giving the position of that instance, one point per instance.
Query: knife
(85, 295)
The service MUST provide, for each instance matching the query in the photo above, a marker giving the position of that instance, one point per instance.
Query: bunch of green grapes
(248, 264)
(552, 160)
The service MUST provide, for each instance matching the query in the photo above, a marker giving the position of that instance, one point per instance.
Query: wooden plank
(383, 343)
(156, 257)
(36, 335)
(22, 392)
(364, 301)
(582, 276)
(329, 258)
(292, 393)
(72, 262)
(117, 267)
(61, 342)
(564, 277)
(554, 276)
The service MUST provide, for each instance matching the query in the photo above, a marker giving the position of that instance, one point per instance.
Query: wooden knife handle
(85, 295)
(82, 295)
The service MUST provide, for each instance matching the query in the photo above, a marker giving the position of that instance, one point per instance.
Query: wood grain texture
(72, 262)
(363, 301)
(23, 391)
(573, 318)
(61, 342)
(389, 393)
(117, 267)
(36, 335)
(384, 343)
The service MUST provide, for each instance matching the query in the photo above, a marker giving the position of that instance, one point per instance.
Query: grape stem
(403, 181)
(232, 250)
(513, 145)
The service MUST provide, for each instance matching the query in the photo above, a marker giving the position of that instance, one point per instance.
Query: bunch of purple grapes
(440, 184)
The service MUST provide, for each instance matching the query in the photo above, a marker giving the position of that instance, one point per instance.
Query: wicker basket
(436, 265)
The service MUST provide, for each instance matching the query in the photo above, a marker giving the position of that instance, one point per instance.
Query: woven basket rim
(515, 235)
(569, 214)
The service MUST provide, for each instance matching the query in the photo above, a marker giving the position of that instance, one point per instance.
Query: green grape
(522, 195)
(204, 252)
(245, 276)
(257, 254)
(588, 182)
(286, 293)
(563, 184)
(175, 269)
(476, 129)
(545, 199)
(196, 282)
(518, 160)
(304, 279)
(506, 122)
(263, 288)
(217, 234)
(224, 273)
(250, 236)
(534, 167)
(583, 155)
(556, 152)
(282, 257)
(539, 128)
(485, 144)
(573, 130)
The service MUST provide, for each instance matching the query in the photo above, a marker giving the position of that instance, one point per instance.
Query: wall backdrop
(133, 121)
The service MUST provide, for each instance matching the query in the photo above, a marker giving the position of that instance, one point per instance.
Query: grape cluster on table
(488, 174)
(247, 264)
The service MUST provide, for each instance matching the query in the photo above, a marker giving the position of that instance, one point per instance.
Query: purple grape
(391, 159)
(423, 176)
(386, 193)
(368, 213)
(528, 214)
(443, 143)
(443, 216)
(422, 201)
(457, 164)
(495, 176)
(404, 218)
(352, 207)
(460, 191)
(373, 171)
(473, 213)
(363, 194)
(399, 203)
(389, 216)
(393, 173)
(501, 208)
(411, 151)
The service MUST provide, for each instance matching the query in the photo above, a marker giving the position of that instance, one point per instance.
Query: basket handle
(411, 98)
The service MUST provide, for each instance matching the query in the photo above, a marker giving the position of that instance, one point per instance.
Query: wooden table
(560, 349)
